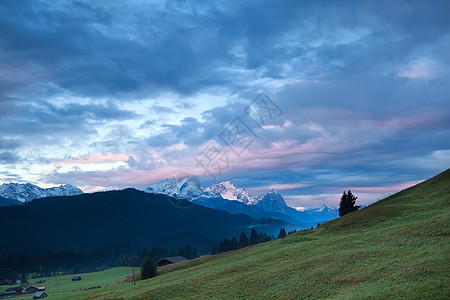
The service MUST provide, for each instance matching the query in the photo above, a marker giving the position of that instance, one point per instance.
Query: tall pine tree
(282, 233)
(243, 240)
(233, 243)
(347, 204)
(254, 239)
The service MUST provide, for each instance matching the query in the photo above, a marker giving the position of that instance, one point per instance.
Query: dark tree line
(233, 244)
(69, 262)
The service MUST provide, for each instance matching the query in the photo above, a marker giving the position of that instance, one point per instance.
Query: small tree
(243, 240)
(233, 244)
(148, 269)
(282, 233)
(220, 248)
(347, 204)
(253, 237)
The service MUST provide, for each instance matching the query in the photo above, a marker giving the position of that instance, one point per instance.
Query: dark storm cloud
(120, 49)
(96, 50)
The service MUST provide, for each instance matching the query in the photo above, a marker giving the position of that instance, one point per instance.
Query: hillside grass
(396, 248)
(62, 285)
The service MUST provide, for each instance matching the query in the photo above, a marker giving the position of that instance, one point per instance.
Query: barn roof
(38, 294)
(33, 287)
(173, 259)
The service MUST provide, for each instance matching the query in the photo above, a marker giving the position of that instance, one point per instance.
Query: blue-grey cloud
(7, 157)
(363, 87)
(118, 48)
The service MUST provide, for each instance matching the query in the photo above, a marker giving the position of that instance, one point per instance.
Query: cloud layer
(124, 93)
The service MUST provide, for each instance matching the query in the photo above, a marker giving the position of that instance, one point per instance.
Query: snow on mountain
(227, 196)
(187, 189)
(271, 201)
(229, 191)
(25, 192)
(322, 213)
(193, 191)
(322, 208)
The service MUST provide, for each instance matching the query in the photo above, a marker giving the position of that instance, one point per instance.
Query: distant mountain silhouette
(7, 202)
(92, 221)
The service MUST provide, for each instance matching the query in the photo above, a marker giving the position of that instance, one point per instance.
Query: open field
(395, 248)
(62, 285)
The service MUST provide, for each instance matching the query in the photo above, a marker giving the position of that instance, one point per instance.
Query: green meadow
(62, 285)
(397, 248)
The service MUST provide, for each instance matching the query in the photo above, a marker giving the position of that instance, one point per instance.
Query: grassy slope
(395, 248)
(63, 284)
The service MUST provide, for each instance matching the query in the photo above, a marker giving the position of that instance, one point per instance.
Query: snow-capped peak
(25, 192)
(272, 199)
(229, 191)
(186, 188)
(321, 208)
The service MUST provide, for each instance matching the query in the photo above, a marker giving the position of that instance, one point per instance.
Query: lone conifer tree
(347, 204)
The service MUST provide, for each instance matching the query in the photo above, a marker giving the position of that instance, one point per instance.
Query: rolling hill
(94, 221)
(397, 248)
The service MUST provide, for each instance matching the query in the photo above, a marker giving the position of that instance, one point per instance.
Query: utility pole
(134, 279)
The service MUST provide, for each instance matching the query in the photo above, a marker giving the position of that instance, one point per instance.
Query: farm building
(170, 260)
(17, 289)
(40, 295)
(76, 278)
(32, 289)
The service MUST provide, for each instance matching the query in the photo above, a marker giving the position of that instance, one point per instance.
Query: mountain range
(25, 192)
(225, 196)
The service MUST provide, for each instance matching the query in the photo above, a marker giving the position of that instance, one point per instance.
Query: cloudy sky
(113, 94)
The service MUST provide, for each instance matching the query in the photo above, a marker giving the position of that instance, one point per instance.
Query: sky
(310, 98)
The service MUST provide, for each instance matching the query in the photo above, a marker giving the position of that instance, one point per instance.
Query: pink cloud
(423, 69)
(92, 189)
(366, 195)
(425, 120)
(279, 187)
(386, 189)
